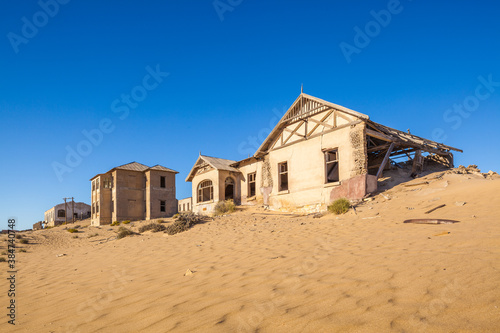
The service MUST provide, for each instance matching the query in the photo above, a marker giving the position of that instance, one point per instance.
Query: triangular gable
(214, 162)
(305, 106)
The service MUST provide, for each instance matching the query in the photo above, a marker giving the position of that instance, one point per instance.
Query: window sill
(332, 184)
(283, 192)
(204, 202)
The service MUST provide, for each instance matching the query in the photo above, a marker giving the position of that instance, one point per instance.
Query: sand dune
(258, 271)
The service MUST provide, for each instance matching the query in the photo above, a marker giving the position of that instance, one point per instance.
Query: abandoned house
(318, 152)
(185, 205)
(133, 191)
(66, 212)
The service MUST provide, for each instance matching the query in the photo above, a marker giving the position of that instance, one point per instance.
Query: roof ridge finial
(302, 88)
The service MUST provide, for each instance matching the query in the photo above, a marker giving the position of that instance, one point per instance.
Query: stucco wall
(306, 166)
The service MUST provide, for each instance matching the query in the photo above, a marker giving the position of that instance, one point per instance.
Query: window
(93, 185)
(112, 181)
(184, 206)
(205, 191)
(283, 176)
(162, 181)
(97, 184)
(251, 184)
(106, 183)
(93, 208)
(188, 206)
(112, 206)
(180, 210)
(61, 213)
(97, 207)
(332, 166)
(162, 206)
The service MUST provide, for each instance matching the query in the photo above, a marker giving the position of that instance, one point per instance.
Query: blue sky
(233, 67)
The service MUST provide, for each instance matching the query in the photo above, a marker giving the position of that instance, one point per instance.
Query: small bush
(223, 207)
(4, 253)
(114, 224)
(75, 236)
(154, 227)
(19, 236)
(124, 232)
(124, 222)
(72, 230)
(160, 221)
(2, 259)
(93, 235)
(22, 250)
(339, 206)
(23, 241)
(183, 222)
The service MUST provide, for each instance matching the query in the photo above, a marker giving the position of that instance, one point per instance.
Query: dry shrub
(224, 207)
(23, 241)
(154, 227)
(114, 224)
(72, 230)
(125, 222)
(339, 206)
(124, 232)
(183, 222)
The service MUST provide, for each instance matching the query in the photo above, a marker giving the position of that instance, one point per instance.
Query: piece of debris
(385, 196)
(317, 215)
(188, 272)
(60, 255)
(417, 184)
(443, 233)
(433, 209)
(410, 208)
(367, 199)
(370, 217)
(460, 203)
(431, 221)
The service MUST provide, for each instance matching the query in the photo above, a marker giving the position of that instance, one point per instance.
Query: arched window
(205, 191)
(61, 213)
(229, 188)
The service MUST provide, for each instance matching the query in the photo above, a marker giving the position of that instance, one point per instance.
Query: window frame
(327, 163)
(200, 192)
(281, 173)
(163, 206)
(163, 182)
(252, 180)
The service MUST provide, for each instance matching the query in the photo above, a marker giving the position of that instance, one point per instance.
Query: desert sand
(261, 271)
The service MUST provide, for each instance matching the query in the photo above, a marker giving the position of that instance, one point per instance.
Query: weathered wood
(433, 209)
(378, 135)
(322, 120)
(320, 123)
(384, 162)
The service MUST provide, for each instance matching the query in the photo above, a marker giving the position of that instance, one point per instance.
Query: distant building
(38, 225)
(185, 205)
(133, 191)
(61, 213)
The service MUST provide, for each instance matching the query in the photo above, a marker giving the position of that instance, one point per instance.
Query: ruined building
(133, 191)
(318, 152)
(66, 213)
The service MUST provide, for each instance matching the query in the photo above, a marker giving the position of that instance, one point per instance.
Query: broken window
(97, 183)
(162, 181)
(112, 206)
(332, 166)
(251, 184)
(229, 188)
(205, 191)
(106, 183)
(162, 206)
(93, 185)
(97, 207)
(283, 176)
(61, 213)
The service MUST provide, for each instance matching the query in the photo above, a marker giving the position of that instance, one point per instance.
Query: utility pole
(73, 201)
(66, 209)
